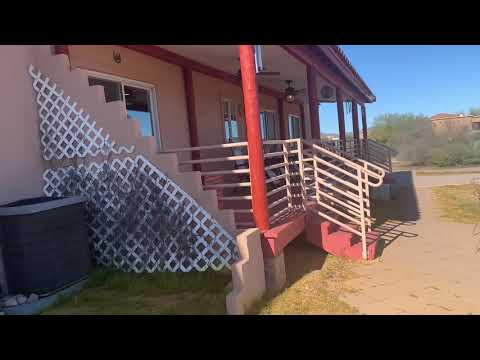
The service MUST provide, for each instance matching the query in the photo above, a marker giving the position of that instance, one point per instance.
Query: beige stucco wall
(248, 274)
(167, 78)
(21, 164)
(168, 81)
(209, 93)
(20, 157)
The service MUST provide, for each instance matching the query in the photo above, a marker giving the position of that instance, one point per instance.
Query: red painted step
(339, 241)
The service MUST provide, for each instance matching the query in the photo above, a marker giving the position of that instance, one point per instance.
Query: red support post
(356, 131)
(302, 120)
(255, 146)
(61, 49)
(341, 119)
(364, 132)
(191, 114)
(313, 102)
(281, 120)
(364, 123)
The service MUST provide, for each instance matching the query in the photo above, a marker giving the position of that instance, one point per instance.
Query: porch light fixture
(290, 92)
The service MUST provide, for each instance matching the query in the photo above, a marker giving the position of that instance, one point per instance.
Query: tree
(409, 134)
(474, 111)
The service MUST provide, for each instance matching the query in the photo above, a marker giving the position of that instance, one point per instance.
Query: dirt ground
(428, 265)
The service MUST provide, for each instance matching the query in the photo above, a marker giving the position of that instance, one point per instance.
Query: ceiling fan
(261, 72)
(291, 93)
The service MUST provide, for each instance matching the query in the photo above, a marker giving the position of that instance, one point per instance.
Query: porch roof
(224, 59)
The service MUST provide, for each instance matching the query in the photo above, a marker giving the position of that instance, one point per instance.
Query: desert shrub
(413, 139)
(452, 154)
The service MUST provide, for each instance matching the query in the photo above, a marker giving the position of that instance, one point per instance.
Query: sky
(423, 79)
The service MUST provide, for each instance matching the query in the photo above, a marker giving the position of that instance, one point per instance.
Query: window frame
(152, 98)
(223, 100)
(275, 123)
(299, 118)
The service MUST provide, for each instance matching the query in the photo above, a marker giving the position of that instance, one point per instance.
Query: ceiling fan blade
(268, 73)
(302, 91)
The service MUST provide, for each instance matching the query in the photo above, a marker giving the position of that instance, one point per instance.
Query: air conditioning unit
(326, 93)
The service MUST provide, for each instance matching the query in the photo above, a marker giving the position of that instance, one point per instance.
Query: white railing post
(315, 176)
(367, 198)
(286, 161)
(301, 171)
(362, 213)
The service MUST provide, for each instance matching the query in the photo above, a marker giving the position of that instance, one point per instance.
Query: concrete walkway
(428, 266)
(447, 177)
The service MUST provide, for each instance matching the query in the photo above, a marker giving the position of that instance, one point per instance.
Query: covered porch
(254, 132)
(268, 132)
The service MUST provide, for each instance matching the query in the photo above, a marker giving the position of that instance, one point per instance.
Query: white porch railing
(379, 154)
(300, 176)
(370, 150)
(341, 189)
(225, 168)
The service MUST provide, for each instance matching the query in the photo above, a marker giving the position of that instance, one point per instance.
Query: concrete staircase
(337, 241)
(112, 117)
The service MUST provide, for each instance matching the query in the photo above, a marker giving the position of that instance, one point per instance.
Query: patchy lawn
(316, 292)
(458, 203)
(113, 292)
(434, 173)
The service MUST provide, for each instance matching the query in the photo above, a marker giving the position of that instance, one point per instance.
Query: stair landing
(338, 241)
(283, 232)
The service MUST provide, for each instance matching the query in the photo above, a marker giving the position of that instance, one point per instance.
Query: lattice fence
(143, 249)
(147, 239)
(65, 130)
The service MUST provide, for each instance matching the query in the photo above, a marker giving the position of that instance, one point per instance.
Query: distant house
(444, 122)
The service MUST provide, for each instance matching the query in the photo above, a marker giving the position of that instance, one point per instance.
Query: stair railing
(341, 189)
(378, 154)
(225, 168)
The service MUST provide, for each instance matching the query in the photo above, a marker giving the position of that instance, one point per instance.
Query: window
(267, 125)
(230, 120)
(294, 127)
(138, 98)
(476, 125)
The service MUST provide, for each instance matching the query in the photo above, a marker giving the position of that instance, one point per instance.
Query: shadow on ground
(402, 211)
(302, 258)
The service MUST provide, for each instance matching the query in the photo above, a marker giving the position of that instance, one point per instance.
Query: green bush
(453, 154)
(413, 140)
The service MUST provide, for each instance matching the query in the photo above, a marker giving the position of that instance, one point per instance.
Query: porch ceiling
(225, 58)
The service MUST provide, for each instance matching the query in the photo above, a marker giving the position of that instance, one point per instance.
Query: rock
(21, 299)
(10, 301)
(32, 298)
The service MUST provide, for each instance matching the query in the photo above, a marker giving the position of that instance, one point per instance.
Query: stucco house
(232, 132)
(444, 122)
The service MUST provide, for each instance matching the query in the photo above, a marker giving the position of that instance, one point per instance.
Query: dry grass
(435, 173)
(316, 292)
(457, 203)
(110, 292)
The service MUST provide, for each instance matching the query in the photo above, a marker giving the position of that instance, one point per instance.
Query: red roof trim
(336, 55)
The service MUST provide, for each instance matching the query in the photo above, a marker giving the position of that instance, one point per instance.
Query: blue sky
(413, 78)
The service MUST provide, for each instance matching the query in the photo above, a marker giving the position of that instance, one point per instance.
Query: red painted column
(61, 49)
(281, 120)
(313, 102)
(356, 132)
(341, 118)
(255, 148)
(302, 119)
(364, 123)
(191, 114)
(364, 131)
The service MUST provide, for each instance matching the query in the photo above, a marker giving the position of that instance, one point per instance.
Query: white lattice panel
(66, 131)
(140, 252)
